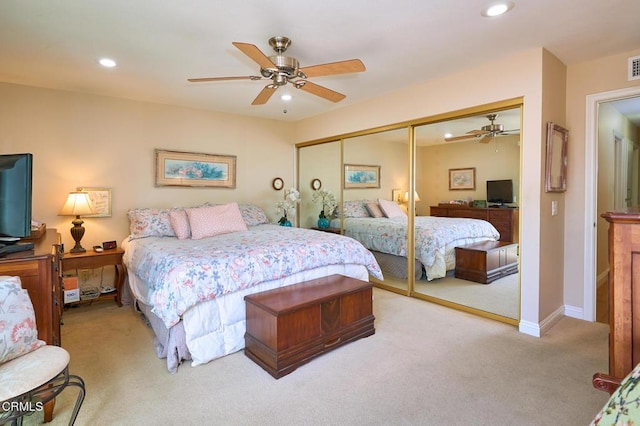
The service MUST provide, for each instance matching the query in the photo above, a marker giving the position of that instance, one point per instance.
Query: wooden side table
(93, 260)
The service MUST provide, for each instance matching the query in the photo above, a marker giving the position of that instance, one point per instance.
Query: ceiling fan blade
(200, 80)
(486, 139)
(333, 68)
(477, 132)
(459, 138)
(264, 95)
(256, 54)
(321, 91)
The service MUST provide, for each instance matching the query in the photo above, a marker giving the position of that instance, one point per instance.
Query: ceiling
(159, 44)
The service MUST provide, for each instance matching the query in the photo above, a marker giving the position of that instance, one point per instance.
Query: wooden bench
(289, 326)
(487, 261)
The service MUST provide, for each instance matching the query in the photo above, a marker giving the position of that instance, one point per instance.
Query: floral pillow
(355, 208)
(150, 223)
(622, 408)
(18, 331)
(253, 215)
(180, 224)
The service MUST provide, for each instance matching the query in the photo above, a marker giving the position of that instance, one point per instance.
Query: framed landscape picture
(360, 176)
(176, 168)
(462, 179)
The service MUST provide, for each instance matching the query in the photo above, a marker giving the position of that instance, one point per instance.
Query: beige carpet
(426, 365)
(499, 297)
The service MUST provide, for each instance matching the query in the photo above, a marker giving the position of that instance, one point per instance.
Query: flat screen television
(500, 191)
(15, 195)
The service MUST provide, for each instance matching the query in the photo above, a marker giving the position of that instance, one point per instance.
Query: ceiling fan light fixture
(107, 62)
(497, 9)
(286, 97)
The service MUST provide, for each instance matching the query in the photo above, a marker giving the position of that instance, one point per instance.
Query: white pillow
(215, 220)
(18, 331)
(391, 209)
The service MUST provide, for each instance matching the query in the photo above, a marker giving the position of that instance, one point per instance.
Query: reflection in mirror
(488, 143)
(384, 157)
(318, 167)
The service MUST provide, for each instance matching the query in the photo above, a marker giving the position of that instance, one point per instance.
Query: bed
(191, 290)
(383, 229)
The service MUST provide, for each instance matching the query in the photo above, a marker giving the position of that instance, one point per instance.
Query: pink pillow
(180, 224)
(374, 209)
(391, 209)
(18, 331)
(215, 220)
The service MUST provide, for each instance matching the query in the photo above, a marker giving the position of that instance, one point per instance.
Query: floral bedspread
(433, 234)
(182, 273)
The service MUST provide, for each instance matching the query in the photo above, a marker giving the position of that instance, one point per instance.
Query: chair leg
(76, 381)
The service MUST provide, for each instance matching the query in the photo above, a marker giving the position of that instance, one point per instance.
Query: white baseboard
(537, 330)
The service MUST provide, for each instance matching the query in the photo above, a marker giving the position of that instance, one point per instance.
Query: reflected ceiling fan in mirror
(281, 69)
(486, 133)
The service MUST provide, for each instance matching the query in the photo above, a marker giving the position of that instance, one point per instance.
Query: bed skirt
(215, 328)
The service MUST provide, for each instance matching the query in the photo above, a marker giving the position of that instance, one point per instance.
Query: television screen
(500, 191)
(15, 195)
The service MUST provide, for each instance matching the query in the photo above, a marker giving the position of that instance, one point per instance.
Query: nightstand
(93, 260)
(332, 230)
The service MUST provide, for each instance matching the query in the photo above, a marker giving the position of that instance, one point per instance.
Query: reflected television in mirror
(499, 192)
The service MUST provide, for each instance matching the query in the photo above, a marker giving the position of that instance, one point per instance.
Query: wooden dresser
(504, 220)
(624, 292)
(40, 273)
(289, 326)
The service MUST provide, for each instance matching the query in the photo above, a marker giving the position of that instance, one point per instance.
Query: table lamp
(406, 196)
(78, 203)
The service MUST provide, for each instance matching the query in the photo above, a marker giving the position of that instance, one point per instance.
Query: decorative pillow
(391, 209)
(150, 223)
(215, 220)
(355, 208)
(253, 215)
(18, 331)
(374, 209)
(180, 224)
(622, 407)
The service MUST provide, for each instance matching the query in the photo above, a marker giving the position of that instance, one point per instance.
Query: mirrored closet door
(455, 159)
(431, 169)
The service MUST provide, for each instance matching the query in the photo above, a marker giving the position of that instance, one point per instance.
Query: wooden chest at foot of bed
(289, 326)
(486, 262)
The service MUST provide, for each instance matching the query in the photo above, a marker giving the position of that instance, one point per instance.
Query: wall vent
(634, 68)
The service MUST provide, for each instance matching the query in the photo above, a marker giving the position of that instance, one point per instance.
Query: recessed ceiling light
(497, 9)
(447, 135)
(108, 63)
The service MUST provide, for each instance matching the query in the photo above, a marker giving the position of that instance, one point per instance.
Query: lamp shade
(77, 204)
(415, 196)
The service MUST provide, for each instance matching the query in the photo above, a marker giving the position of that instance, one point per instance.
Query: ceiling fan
(486, 133)
(281, 69)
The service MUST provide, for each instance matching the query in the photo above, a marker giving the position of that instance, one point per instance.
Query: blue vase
(284, 221)
(287, 223)
(323, 223)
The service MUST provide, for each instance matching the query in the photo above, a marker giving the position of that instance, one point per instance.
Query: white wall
(584, 79)
(97, 141)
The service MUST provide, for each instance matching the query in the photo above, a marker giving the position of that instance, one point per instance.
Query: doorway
(627, 101)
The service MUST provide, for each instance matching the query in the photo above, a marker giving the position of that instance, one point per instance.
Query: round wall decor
(316, 184)
(277, 184)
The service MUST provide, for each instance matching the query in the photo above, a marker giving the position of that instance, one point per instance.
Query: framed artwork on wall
(177, 168)
(462, 179)
(556, 164)
(100, 200)
(361, 176)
